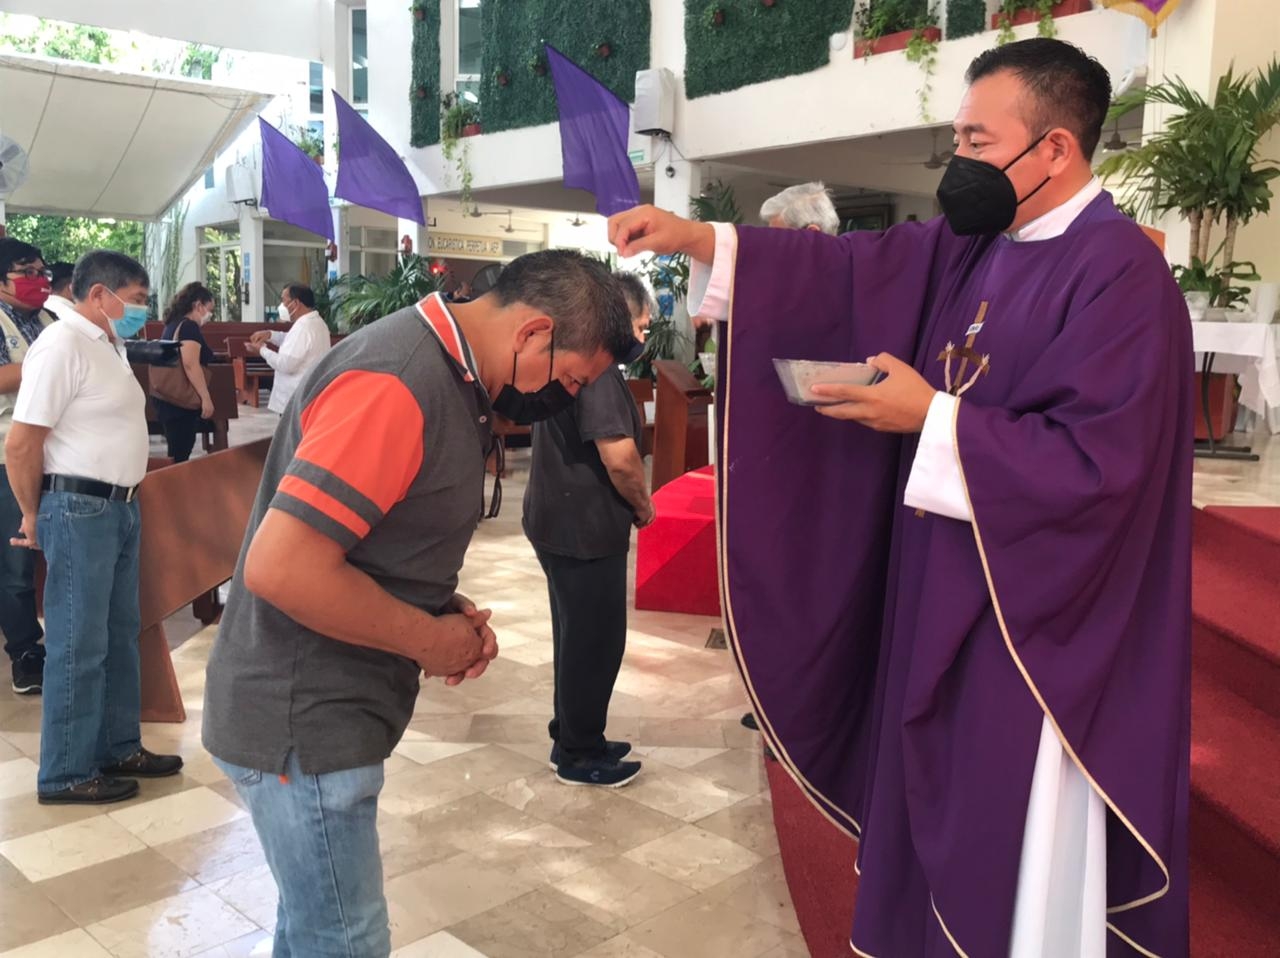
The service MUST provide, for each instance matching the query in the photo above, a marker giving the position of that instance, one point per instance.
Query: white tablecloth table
(1250, 351)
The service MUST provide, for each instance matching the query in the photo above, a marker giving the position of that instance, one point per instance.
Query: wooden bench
(642, 392)
(194, 516)
(252, 375)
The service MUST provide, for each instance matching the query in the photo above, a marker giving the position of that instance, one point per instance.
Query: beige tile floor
(485, 854)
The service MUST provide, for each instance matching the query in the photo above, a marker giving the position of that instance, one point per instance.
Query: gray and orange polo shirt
(382, 449)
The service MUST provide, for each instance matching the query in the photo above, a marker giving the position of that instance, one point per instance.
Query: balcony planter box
(1063, 8)
(471, 129)
(892, 41)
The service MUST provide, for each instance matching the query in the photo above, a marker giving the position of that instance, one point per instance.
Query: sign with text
(461, 245)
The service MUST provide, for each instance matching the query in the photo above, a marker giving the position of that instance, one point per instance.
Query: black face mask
(978, 199)
(524, 408)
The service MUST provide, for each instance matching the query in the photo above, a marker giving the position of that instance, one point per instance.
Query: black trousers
(589, 632)
(180, 431)
(18, 622)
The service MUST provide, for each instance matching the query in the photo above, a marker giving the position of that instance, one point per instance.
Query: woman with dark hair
(190, 309)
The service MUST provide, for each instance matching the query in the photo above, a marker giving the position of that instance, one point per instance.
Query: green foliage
(363, 299)
(1009, 7)
(879, 18)
(757, 43)
(1206, 163)
(455, 115)
(424, 87)
(1202, 277)
(717, 204)
(965, 18)
(62, 41)
(923, 50)
(67, 238)
(198, 61)
(308, 141)
(514, 31)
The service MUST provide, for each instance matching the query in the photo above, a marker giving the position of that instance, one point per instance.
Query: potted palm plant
(359, 300)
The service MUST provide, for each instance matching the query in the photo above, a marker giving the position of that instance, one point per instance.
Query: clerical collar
(1059, 219)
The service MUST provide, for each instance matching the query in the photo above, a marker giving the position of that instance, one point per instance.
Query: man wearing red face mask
(24, 288)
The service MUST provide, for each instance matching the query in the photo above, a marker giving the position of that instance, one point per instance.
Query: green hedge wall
(965, 18)
(757, 43)
(514, 31)
(424, 110)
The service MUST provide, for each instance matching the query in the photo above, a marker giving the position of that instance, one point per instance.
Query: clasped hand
(898, 403)
(480, 642)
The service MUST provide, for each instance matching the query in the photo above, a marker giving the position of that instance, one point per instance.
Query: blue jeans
(92, 688)
(18, 622)
(320, 836)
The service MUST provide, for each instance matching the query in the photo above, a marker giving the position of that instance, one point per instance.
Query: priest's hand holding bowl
(898, 403)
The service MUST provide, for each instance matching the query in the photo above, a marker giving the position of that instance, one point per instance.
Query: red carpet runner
(1235, 758)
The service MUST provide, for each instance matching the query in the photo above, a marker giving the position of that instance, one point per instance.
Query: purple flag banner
(293, 187)
(370, 172)
(593, 136)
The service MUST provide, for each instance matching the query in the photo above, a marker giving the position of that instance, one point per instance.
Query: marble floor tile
(621, 946)
(694, 857)
(677, 756)
(257, 944)
(749, 823)
(100, 891)
(407, 845)
(537, 925)
(177, 816)
(440, 945)
(252, 893)
(177, 927)
(739, 769)
(27, 914)
(441, 895)
(685, 732)
(22, 815)
(613, 821)
(18, 777)
(426, 752)
(625, 890)
(702, 929)
(759, 892)
(216, 853)
(76, 943)
(68, 848)
(490, 766)
(543, 854)
(679, 794)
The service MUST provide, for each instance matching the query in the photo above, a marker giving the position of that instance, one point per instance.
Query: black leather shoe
(28, 673)
(749, 721)
(144, 764)
(97, 791)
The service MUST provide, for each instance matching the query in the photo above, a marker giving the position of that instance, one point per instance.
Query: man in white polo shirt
(292, 354)
(76, 454)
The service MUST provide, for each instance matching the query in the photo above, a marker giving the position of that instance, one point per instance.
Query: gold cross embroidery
(982, 363)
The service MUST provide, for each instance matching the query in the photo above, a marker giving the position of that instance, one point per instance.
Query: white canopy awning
(109, 143)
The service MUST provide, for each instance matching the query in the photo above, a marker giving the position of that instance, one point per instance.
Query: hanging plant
(604, 50)
(419, 11)
(1005, 17)
(922, 49)
(539, 66)
(502, 78)
(420, 92)
(714, 16)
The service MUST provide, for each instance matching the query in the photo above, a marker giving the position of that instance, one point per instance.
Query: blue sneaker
(602, 773)
(613, 752)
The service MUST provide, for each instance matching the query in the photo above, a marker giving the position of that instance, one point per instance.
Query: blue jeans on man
(18, 620)
(320, 837)
(92, 685)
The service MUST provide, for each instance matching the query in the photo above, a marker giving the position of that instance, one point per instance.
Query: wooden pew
(252, 375)
(680, 431)
(642, 392)
(222, 391)
(194, 517)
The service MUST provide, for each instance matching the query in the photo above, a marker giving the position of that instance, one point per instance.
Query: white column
(672, 192)
(251, 258)
(342, 265)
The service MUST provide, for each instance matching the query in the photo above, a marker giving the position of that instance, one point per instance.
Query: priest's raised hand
(898, 403)
(647, 229)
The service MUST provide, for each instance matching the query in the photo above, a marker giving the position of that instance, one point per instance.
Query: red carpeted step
(1236, 602)
(1235, 776)
(1225, 925)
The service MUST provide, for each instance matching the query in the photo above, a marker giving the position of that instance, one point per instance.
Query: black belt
(89, 487)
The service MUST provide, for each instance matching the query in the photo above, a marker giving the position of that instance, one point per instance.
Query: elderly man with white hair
(806, 206)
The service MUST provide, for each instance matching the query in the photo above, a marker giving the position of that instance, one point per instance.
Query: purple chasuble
(903, 665)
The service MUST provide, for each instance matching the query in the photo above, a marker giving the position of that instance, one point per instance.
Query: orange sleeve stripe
(320, 500)
(366, 429)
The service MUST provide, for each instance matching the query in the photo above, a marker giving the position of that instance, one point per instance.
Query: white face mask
(282, 312)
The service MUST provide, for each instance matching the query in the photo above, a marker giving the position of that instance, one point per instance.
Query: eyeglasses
(31, 272)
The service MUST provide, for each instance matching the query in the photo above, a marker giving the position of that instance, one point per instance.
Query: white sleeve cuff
(277, 337)
(935, 484)
(709, 283)
(270, 357)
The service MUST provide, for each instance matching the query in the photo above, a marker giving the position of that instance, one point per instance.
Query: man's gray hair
(806, 204)
(106, 266)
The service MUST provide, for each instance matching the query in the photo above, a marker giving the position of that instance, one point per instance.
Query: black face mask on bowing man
(978, 199)
(524, 408)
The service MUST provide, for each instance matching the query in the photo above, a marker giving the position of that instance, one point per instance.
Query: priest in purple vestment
(960, 598)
